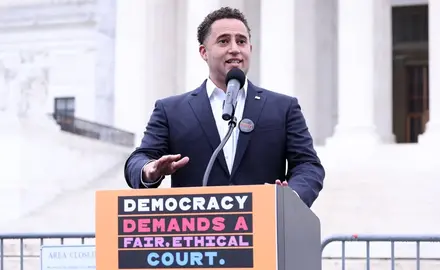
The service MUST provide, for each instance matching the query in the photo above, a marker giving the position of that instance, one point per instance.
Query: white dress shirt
(216, 98)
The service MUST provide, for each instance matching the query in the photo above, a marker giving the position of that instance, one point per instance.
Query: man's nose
(235, 49)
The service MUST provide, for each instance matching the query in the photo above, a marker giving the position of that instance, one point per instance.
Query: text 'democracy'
(200, 203)
(191, 231)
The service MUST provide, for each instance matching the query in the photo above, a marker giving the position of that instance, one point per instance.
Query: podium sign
(234, 227)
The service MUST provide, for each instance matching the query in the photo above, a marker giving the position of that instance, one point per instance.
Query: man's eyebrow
(242, 36)
(223, 36)
(228, 35)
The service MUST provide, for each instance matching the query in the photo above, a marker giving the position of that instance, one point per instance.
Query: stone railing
(94, 130)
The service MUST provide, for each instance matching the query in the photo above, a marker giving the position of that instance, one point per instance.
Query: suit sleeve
(154, 145)
(305, 172)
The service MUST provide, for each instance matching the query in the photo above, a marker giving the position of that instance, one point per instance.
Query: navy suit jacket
(184, 124)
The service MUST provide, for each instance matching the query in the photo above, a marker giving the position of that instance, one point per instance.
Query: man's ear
(203, 53)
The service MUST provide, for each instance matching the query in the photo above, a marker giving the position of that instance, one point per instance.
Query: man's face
(226, 46)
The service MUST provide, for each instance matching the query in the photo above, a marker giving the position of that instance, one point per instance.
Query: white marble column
(363, 26)
(432, 132)
(383, 71)
(327, 70)
(251, 9)
(277, 46)
(196, 69)
(288, 52)
(144, 61)
(131, 64)
(104, 63)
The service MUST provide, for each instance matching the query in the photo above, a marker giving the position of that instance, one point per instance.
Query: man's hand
(284, 183)
(278, 182)
(165, 165)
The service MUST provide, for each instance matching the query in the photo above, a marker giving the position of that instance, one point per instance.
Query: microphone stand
(232, 124)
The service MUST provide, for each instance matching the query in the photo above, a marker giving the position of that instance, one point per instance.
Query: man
(184, 130)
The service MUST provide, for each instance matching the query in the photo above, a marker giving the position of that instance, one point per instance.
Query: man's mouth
(234, 61)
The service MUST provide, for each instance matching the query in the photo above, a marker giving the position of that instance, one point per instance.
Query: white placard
(72, 257)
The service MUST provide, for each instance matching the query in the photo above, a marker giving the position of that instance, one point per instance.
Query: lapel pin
(257, 97)
(246, 125)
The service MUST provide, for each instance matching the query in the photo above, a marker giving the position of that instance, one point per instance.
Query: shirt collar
(210, 87)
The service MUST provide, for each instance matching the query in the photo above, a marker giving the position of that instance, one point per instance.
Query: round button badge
(246, 125)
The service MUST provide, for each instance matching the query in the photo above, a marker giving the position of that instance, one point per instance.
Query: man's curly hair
(223, 13)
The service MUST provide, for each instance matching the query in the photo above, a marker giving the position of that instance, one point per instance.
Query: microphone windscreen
(236, 74)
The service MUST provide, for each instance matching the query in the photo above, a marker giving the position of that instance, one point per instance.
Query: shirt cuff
(296, 193)
(149, 184)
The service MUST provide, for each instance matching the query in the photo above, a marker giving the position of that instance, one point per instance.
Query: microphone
(235, 80)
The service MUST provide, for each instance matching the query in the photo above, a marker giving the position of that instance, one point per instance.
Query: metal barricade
(392, 240)
(14, 246)
(11, 240)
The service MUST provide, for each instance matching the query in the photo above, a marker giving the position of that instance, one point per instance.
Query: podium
(264, 227)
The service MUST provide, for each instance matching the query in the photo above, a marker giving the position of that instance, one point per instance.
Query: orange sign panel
(231, 227)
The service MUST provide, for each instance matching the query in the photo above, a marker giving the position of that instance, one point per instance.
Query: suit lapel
(201, 107)
(255, 100)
